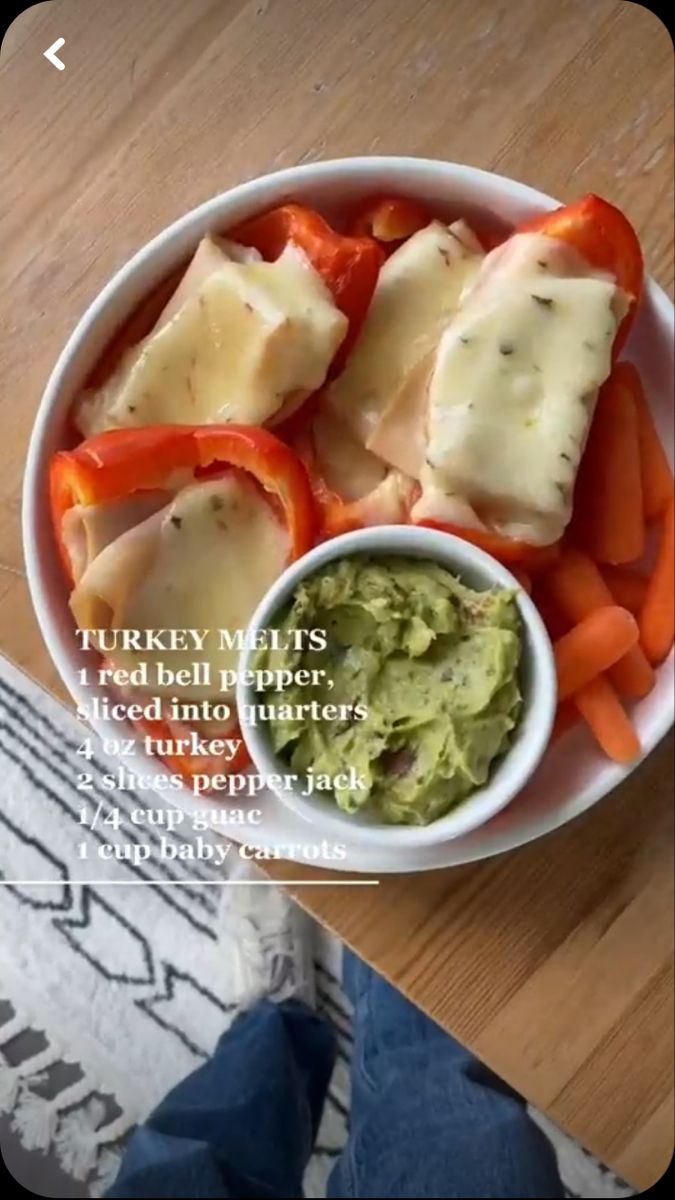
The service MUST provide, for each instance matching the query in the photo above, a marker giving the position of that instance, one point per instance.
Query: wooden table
(552, 963)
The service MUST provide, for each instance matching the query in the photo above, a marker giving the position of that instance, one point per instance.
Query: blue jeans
(426, 1118)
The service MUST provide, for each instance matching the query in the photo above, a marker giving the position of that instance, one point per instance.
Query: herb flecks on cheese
(513, 390)
(247, 336)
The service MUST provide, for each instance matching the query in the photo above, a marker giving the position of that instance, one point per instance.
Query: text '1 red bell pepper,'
(349, 266)
(608, 242)
(116, 464)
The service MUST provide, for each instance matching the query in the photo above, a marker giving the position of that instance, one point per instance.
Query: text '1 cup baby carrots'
(595, 644)
(601, 709)
(657, 617)
(657, 477)
(609, 520)
(575, 587)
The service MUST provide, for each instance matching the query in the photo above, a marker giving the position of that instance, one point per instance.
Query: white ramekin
(538, 682)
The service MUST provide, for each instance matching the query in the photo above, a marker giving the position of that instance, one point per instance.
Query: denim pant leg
(243, 1124)
(427, 1119)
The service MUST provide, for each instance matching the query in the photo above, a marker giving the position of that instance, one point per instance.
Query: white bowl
(572, 777)
(538, 682)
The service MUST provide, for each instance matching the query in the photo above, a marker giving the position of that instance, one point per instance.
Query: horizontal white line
(190, 882)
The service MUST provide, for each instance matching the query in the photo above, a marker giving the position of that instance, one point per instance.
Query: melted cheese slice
(348, 468)
(389, 502)
(202, 562)
(400, 437)
(254, 334)
(211, 254)
(418, 292)
(513, 390)
(88, 529)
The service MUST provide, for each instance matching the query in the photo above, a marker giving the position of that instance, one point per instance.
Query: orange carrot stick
(576, 588)
(627, 587)
(633, 676)
(540, 559)
(601, 709)
(657, 618)
(592, 646)
(608, 498)
(657, 476)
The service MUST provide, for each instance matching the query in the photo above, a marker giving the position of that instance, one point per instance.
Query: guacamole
(423, 672)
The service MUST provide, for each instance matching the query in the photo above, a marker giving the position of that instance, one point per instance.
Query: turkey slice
(418, 292)
(87, 529)
(252, 335)
(202, 562)
(514, 386)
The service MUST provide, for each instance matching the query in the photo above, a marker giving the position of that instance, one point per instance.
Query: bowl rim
(520, 759)
(440, 174)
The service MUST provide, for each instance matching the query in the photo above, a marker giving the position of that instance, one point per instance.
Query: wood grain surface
(553, 963)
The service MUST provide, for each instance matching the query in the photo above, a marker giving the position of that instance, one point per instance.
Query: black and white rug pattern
(126, 987)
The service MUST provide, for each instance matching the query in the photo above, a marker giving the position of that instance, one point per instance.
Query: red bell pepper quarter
(115, 464)
(349, 266)
(509, 551)
(335, 514)
(122, 461)
(392, 219)
(388, 219)
(606, 239)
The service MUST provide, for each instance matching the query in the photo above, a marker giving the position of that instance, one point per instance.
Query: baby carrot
(627, 587)
(609, 492)
(657, 618)
(602, 711)
(595, 644)
(538, 560)
(576, 588)
(657, 476)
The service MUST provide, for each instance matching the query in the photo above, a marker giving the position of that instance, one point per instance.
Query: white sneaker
(268, 938)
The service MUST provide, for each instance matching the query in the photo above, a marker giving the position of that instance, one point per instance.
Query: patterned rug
(115, 981)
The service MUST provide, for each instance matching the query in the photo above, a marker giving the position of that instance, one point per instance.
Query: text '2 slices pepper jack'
(349, 266)
(119, 463)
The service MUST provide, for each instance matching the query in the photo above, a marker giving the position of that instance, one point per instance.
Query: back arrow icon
(50, 54)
